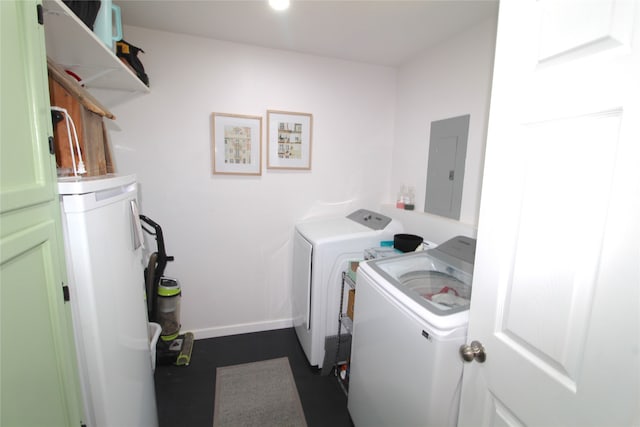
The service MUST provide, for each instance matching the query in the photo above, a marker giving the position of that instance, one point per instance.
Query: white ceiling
(372, 31)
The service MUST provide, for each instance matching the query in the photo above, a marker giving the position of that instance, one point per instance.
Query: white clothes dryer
(410, 319)
(321, 250)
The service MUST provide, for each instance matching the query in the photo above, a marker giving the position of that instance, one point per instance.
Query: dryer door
(301, 285)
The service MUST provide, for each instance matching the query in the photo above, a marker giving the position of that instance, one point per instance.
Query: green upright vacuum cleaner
(163, 304)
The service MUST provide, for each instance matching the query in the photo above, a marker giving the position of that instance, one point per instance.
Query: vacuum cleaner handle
(155, 270)
(162, 254)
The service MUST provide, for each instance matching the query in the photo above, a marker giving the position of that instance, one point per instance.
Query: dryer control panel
(373, 220)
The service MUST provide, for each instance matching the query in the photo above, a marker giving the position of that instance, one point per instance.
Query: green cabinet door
(38, 374)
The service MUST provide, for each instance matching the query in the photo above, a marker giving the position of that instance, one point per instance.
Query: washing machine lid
(434, 284)
(459, 251)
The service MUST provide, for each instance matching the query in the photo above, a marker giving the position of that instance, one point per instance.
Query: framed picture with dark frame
(289, 140)
(237, 144)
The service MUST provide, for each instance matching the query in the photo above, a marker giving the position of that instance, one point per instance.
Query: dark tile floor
(185, 394)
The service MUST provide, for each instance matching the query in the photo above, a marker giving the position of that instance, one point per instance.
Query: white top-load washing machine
(322, 248)
(410, 319)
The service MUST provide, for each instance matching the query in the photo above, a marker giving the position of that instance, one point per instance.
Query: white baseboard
(243, 328)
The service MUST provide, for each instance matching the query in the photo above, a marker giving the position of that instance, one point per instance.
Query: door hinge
(65, 293)
(40, 14)
(52, 150)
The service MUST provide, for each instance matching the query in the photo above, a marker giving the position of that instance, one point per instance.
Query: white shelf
(73, 46)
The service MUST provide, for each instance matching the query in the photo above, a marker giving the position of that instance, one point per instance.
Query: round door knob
(478, 350)
(467, 353)
(475, 350)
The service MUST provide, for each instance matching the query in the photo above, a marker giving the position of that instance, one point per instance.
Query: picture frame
(289, 137)
(237, 144)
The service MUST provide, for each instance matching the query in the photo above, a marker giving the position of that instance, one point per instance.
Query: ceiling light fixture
(279, 4)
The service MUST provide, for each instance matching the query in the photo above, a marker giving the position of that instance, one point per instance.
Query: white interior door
(556, 284)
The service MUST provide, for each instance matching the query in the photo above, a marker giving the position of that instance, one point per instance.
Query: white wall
(449, 80)
(231, 235)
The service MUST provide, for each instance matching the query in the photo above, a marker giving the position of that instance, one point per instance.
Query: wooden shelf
(73, 46)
